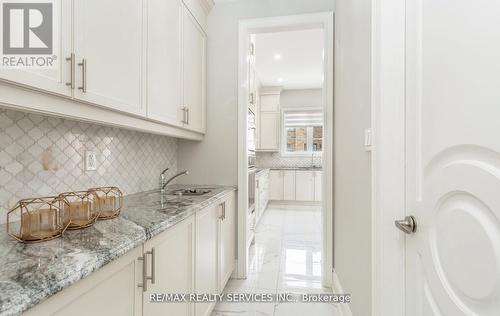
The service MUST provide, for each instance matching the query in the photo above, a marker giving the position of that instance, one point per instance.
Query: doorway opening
(285, 142)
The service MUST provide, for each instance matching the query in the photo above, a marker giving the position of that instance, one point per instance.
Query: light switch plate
(90, 161)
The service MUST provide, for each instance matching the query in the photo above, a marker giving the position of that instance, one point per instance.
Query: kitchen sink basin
(191, 192)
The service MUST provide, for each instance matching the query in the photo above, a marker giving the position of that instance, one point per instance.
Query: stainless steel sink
(190, 192)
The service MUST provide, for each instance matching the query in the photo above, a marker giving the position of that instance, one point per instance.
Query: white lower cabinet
(261, 193)
(276, 185)
(112, 290)
(169, 264)
(318, 185)
(289, 185)
(206, 275)
(197, 255)
(227, 240)
(295, 185)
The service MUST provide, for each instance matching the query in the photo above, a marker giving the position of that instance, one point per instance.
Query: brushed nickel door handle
(408, 225)
(83, 64)
(144, 283)
(71, 60)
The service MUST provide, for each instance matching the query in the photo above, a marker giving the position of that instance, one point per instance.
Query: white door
(304, 185)
(194, 59)
(276, 185)
(172, 273)
(52, 79)
(453, 158)
(109, 39)
(269, 131)
(164, 61)
(289, 185)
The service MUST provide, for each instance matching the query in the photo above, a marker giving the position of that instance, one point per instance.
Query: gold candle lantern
(79, 209)
(38, 219)
(108, 201)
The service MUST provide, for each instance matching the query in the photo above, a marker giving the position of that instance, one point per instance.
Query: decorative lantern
(37, 219)
(79, 209)
(108, 201)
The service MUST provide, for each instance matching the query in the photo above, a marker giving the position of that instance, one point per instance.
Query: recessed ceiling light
(277, 56)
(280, 79)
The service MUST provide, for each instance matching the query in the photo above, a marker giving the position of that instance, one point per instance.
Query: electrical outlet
(90, 161)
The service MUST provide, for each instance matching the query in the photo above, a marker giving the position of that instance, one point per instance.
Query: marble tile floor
(286, 258)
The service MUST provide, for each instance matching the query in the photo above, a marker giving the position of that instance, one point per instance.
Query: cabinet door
(264, 192)
(289, 185)
(206, 274)
(270, 103)
(193, 52)
(111, 290)
(164, 61)
(318, 185)
(269, 131)
(227, 240)
(109, 38)
(51, 79)
(173, 266)
(304, 188)
(276, 185)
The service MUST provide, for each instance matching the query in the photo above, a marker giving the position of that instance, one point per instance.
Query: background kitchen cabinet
(270, 102)
(170, 259)
(304, 185)
(276, 185)
(261, 193)
(227, 242)
(164, 86)
(194, 77)
(318, 185)
(110, 39)
(269, 126)
(206, 264)
(289, 185)
(54, 79)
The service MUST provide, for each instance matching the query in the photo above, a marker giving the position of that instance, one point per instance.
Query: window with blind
(302, 131)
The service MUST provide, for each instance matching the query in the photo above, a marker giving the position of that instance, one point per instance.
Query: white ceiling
(300, 65)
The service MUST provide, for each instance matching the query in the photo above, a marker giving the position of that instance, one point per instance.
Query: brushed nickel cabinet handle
(224, 211)
(184, 113)
(187, 112)
(71, 60)
(144, 283)
(153, 265)
(83, 64)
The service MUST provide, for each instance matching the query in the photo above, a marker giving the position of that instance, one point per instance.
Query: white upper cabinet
(52, 79)
(164, 61)
(194, 81)
(109, 49)
(270, 102)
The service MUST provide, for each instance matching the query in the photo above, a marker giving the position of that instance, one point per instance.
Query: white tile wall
(45, 156)
(275, 160)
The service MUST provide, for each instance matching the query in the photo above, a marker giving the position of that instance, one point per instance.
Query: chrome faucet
(185, 172)
(162, 177)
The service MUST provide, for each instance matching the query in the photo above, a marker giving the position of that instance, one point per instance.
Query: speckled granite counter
(30, 273)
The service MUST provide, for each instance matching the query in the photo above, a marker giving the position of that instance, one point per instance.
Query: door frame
(388, 74)
(324, 20)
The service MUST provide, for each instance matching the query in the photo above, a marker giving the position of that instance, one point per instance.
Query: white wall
(352, 224)
(214, 161)
(301, 98)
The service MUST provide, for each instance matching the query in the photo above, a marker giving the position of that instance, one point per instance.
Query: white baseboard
(345, 309)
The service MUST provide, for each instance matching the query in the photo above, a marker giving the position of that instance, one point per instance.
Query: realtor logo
(27, 28)
(27, 34)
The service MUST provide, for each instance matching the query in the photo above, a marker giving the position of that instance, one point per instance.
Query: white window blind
(302, 118)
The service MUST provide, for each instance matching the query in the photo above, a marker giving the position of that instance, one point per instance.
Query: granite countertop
(30, 273)
(298, 168)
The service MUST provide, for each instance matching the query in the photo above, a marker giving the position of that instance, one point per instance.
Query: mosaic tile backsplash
(42, 156)
(275, 160)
